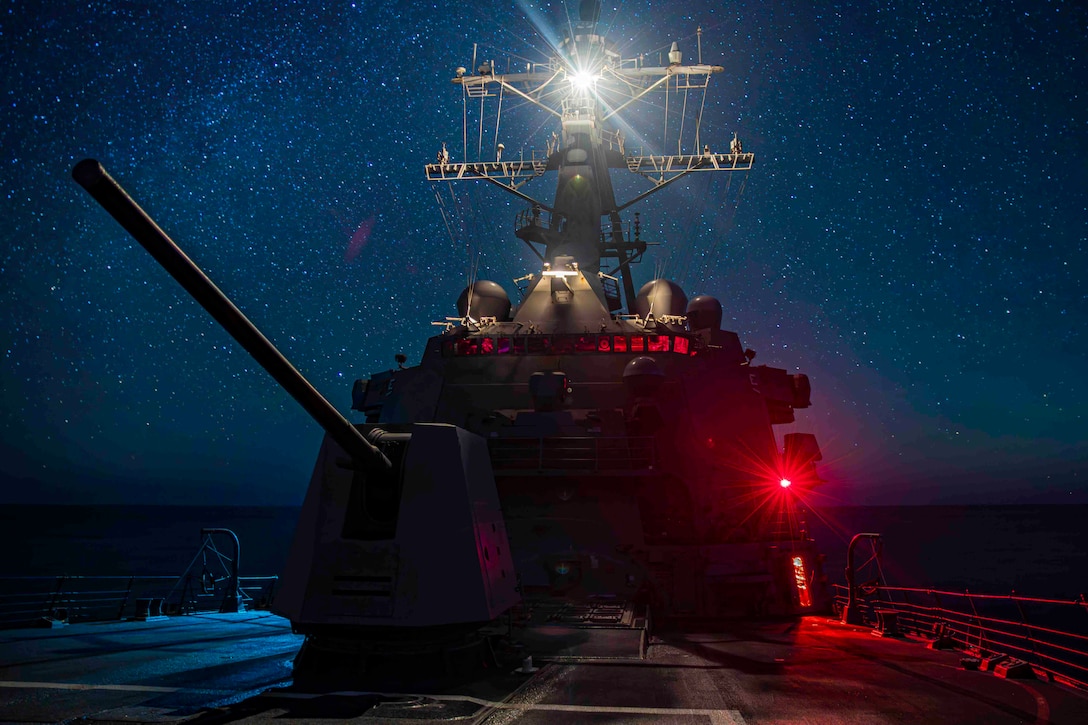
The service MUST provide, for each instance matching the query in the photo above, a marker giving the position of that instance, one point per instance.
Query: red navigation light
(785, 483)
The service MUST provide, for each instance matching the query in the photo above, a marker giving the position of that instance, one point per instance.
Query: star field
(913, 235)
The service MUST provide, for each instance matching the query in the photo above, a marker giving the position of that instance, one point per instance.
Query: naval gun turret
(401, 527)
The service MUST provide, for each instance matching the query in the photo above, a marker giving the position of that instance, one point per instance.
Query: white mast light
(583, 80)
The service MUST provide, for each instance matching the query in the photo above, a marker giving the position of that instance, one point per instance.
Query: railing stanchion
(978, 622)
(939, 609)
(61, 581)
(124, 600)
(1024, 622)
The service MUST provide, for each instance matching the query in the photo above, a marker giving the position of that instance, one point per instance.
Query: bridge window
(539, 345)
(658, 343)
(568, 345)
(586, 343)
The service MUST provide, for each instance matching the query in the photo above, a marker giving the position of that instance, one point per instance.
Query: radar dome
(643, 376)
(704, 313)
(660, 297)
(484, 299)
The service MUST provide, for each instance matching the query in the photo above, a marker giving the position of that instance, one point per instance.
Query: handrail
(1059, 654)
(27, 601)
(1081, 601)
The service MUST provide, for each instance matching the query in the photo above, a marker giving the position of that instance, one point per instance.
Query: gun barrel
(109, 194)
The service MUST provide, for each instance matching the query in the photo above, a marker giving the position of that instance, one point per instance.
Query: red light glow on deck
(785, 483)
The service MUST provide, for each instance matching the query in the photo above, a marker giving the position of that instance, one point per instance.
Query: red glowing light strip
(567, 344)
(804, 596)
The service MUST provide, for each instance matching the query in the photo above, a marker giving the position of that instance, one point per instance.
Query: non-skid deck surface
(237, 668)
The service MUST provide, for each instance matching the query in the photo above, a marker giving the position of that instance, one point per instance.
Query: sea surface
(44, 540)
(1032, 550)
(1036, 550)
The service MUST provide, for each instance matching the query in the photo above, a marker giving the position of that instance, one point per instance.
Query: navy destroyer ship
(590, 449)
(572, 508)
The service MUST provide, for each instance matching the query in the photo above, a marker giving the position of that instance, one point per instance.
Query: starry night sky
(913, 234)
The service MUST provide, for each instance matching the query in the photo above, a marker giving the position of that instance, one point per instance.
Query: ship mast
(584, 85)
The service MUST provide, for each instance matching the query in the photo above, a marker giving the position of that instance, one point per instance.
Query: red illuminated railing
(619, 454)
(1051, 635)
(568, 344)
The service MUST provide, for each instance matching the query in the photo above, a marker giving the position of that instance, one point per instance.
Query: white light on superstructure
(583, 80)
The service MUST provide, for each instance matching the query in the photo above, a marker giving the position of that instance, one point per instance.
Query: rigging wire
(498, 117)
(699, 119)
(730, 218)
(683, 118)
(464, 123)
(461, 220)
(451, 218)
(665, 134)
(690, 229)
(488, 230)
(474, 267)
(445, 213)
(480, 143)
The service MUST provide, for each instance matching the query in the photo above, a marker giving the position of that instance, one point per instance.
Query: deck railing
(27, 601)
(1050, 635)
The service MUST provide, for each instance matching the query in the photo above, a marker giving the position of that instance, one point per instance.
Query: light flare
(583, 80)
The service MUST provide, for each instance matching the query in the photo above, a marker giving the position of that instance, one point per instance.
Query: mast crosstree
(585, 85)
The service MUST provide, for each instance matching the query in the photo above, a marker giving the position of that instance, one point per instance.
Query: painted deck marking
(81, 686)
(717, 717)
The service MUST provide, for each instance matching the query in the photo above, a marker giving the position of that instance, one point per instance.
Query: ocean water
(45, 540)
(1038, 551)
(1035, 550)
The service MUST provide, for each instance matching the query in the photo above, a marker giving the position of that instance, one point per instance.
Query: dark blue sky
(913, 235)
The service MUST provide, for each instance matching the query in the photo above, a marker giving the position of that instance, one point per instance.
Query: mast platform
(649, 166)
(507, 170)
(660, 166)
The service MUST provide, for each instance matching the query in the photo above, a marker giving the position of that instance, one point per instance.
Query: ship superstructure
(630, 436)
